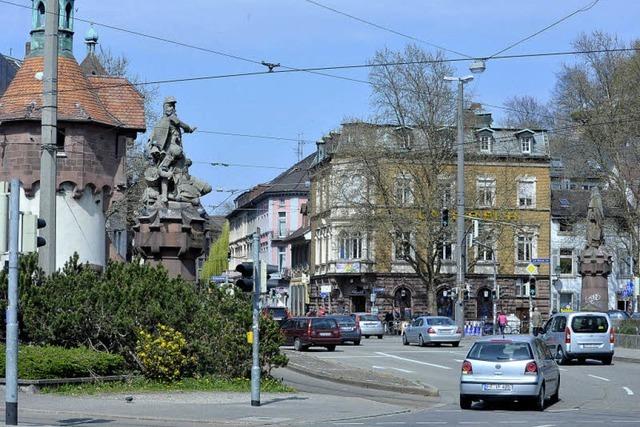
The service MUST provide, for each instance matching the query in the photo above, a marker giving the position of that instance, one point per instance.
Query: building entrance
(358, 304)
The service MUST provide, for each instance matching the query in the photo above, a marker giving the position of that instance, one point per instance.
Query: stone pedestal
(172, 236)
(595, 267)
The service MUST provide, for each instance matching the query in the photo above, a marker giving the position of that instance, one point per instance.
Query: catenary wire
(390, 30)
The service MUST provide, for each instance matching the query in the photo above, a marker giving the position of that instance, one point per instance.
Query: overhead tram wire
(192, 46)
(553, 24)
(390, 30)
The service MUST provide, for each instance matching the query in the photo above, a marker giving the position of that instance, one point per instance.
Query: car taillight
(458, 331)
(612, 336)
(567, 335)
(467, 369)
(309, 330)
(431, 331)
(531, 369)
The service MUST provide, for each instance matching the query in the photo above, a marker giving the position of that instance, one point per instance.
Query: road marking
(599, 378)
(378, 367)
(346, 357)
(563, 410)
(406, 371)
(628, 390)
(545, 425)
(625, 421)
(511, 422)
(473, 422)
(458, 360)
(413, 361)
(391, 423)
(563, 370)
(348, 424)
(431, 423)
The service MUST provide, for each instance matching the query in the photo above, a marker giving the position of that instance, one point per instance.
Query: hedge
(44, 362)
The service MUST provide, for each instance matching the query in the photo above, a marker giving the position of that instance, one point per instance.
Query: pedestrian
(536, 321)
(502, 322)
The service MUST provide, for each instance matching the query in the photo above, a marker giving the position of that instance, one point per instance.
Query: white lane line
(473, 422)
(406, 371)
(625, 421)
(412, 361)
(628, 390)
(348, 424)
(431, 423)
(564, 370)
(545, 425)
(511, 422)
(347, 357)
(389, 423)
(378, 367)
(599, 378)
(459, 360)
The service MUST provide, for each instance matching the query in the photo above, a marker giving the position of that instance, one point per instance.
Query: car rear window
(324, 324)
(369, 318)
(440, 321)
(278, 313)
(345, 321)
(589, 324)
(495, 351)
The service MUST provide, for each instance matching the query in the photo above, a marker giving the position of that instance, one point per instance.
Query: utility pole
(48, 169)
(11, 363)
(460, 231)
(255, 368)
(300, 151)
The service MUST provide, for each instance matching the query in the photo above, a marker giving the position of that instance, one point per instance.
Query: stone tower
(98, 115)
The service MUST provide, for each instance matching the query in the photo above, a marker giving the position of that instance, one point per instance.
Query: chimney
(27, 49)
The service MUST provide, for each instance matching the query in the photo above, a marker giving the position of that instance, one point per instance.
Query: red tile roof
(78, 97)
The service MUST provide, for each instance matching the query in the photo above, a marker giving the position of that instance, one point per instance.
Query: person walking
(536, 321)
(502, 322)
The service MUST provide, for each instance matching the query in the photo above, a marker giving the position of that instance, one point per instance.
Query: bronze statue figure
(595, 218)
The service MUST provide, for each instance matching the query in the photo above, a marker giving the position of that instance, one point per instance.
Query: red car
(305, 332)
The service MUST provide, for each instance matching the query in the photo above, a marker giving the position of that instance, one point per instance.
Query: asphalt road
(591, 393)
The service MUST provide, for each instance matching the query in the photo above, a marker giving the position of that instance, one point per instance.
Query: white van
(580, 335)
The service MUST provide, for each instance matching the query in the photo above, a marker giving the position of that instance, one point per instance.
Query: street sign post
(532, 269)
(540, 261)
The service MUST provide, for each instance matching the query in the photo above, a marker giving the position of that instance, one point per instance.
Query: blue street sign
(323, 295)
(378, 290)
(540, 261)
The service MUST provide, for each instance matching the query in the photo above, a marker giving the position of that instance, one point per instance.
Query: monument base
(172, 236)
(595, 267)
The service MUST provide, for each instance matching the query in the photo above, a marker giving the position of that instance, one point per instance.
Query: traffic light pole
(11, 374)
(255, 368)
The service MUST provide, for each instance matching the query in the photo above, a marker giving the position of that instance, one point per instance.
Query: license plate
(590, 345)
(446, 331)
(325, 334)
(498, 387)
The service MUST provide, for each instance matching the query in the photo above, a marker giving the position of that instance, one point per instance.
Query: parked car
(432, 330)
(305, 332)
(518, 368)
(369, 324)
(349, 330)
(279, 314)
(636, 316)
(580, 335)
(617, 317)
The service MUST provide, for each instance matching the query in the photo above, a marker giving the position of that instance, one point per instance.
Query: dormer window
(405, 135)
(525, 144)
(485, 143)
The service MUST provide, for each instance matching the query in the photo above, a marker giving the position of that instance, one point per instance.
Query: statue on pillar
(171, 228)
(595, 261)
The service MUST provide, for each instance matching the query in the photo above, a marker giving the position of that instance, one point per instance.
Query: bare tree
(527, 112)
(600, 97)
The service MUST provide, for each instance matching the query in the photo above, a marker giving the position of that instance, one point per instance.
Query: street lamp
(460, 233)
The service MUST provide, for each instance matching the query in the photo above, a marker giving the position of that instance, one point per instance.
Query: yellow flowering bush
(163, 353)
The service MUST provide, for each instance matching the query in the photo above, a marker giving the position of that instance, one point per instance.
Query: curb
(420, 390)
(625, 359)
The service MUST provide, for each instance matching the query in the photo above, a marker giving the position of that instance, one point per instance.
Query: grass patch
(142, 385)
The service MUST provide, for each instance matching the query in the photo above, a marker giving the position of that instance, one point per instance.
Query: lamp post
(460, 233)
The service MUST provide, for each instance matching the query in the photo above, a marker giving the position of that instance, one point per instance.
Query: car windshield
(345, 321)
(589, 324)
(368, 318)
(440, 321)
(323, 324)
(278, 313)
(495, 351)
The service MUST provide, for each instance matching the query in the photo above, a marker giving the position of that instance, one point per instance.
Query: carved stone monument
(595, 261)
(170, 229)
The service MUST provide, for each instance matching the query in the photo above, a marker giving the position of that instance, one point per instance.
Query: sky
(299, 34)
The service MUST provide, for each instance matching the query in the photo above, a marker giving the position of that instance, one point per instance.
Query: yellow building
(376, 230)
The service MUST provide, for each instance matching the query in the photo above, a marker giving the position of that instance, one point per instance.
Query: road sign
(378, 290)
(532, 269)
(540, 261)
(323, 295)
(325, 289)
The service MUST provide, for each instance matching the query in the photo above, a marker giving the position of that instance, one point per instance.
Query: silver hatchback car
(432, 329)
(518, 368)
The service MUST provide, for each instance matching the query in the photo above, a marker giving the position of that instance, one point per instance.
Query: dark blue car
(349, 331)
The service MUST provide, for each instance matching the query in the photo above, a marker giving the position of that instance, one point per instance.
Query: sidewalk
(196, 409)
(622, 354)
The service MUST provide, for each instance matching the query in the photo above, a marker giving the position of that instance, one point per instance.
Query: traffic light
(444, 218)
(30, 226)
(494, 295)
(466, 295)
(532, 287)
(246, 282)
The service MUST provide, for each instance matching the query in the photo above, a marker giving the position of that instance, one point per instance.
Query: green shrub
(629, 327)
(35, 362)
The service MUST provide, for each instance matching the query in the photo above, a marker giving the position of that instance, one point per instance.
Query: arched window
(40, 15)
(67, 17)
